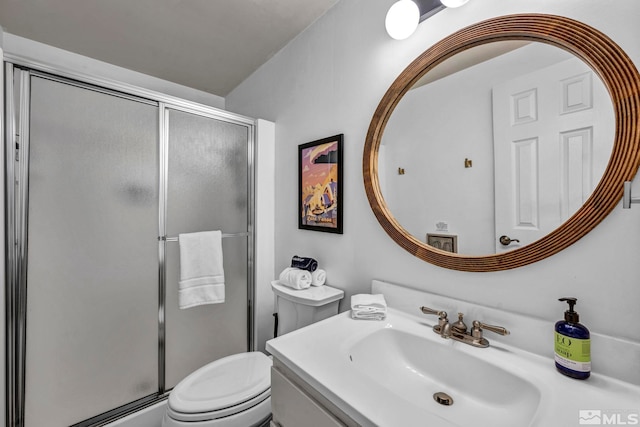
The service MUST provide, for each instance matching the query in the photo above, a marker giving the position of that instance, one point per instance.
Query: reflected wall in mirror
(535, 126)
(459, 165)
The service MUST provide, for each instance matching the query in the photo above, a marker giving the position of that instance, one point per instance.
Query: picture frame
(320, 202)
(444, 242)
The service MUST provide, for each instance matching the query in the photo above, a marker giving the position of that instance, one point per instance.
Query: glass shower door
(207, 189)
(92, 271)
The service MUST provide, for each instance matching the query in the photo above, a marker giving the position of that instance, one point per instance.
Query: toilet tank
(297, 308)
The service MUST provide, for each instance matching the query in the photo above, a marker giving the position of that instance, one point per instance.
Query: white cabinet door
(292, 407)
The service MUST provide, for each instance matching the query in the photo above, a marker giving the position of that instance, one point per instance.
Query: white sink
(416, 368)
(384, 373)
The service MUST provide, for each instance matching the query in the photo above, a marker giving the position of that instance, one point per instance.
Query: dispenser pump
(570, 315)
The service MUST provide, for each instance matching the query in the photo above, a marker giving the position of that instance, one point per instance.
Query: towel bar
(224, 235)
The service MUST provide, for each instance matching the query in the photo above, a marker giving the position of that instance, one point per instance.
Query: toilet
(235, 391)
(297, 308)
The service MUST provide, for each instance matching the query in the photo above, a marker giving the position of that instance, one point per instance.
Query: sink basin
(416, 368)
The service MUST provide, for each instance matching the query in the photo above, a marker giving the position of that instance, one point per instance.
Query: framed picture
(445, 242)
(320, 185)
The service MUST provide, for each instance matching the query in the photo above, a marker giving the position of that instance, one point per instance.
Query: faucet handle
(443, 328)
(441, 314)
(476, 330)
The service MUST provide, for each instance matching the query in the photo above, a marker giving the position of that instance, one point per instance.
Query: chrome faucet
(458, 330)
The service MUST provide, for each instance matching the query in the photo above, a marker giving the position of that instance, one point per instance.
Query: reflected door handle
(506, 240)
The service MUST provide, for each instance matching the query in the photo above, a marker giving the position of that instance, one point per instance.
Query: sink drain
(443, 398)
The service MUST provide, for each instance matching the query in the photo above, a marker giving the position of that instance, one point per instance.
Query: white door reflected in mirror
(553, 134)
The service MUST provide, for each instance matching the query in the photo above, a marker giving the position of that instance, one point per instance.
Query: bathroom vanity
(295, 403)
(346, 372)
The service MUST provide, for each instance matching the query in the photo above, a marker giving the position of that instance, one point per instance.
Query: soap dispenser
(572, 344)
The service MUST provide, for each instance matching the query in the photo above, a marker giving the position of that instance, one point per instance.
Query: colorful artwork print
(320, 167)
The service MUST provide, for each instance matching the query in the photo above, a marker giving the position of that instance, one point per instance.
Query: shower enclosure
(101, 181)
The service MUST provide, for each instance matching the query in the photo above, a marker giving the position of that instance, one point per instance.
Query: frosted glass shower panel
(207, 175)
(199, 335)
(207, 189)
(92, 303)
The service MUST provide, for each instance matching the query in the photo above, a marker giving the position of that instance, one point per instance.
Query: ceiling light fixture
(453, 3)
(402, 19)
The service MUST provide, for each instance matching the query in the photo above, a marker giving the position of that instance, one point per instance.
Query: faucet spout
(445, 330)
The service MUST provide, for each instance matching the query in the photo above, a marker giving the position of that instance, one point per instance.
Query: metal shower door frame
(16, 226)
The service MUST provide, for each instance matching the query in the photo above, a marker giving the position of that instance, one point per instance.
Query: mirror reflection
(496, 147)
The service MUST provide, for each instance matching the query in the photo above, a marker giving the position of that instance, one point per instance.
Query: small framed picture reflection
(444, 242)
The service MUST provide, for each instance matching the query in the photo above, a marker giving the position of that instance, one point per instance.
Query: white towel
(368, 307)
(201, 271)
(318, 277)
(295, 278)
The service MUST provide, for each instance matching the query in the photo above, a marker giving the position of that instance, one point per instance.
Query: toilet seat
(219, 413)
(222, 388)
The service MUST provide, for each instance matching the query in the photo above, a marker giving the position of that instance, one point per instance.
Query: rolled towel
(318, 277)
(368, 307)
(303, 263)
(295, 278)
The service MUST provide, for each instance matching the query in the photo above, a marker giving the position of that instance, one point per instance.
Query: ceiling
(210, 45)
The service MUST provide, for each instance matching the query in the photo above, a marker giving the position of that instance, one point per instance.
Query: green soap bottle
(572, 344)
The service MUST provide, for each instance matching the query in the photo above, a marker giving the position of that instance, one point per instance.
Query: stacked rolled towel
(368, 307)
(318, 277)
(295, 278)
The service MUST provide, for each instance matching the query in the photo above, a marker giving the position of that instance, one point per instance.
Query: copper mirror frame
(607, 60)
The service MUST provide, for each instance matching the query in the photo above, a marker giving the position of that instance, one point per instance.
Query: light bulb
(453, 3)
(402, 19)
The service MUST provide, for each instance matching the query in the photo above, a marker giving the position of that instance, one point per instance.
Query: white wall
(424, 136)
(330, 79)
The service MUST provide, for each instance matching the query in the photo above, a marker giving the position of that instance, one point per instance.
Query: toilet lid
(314, 296)
(222, 383)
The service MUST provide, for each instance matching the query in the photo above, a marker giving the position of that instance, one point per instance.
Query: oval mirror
(503, 143)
